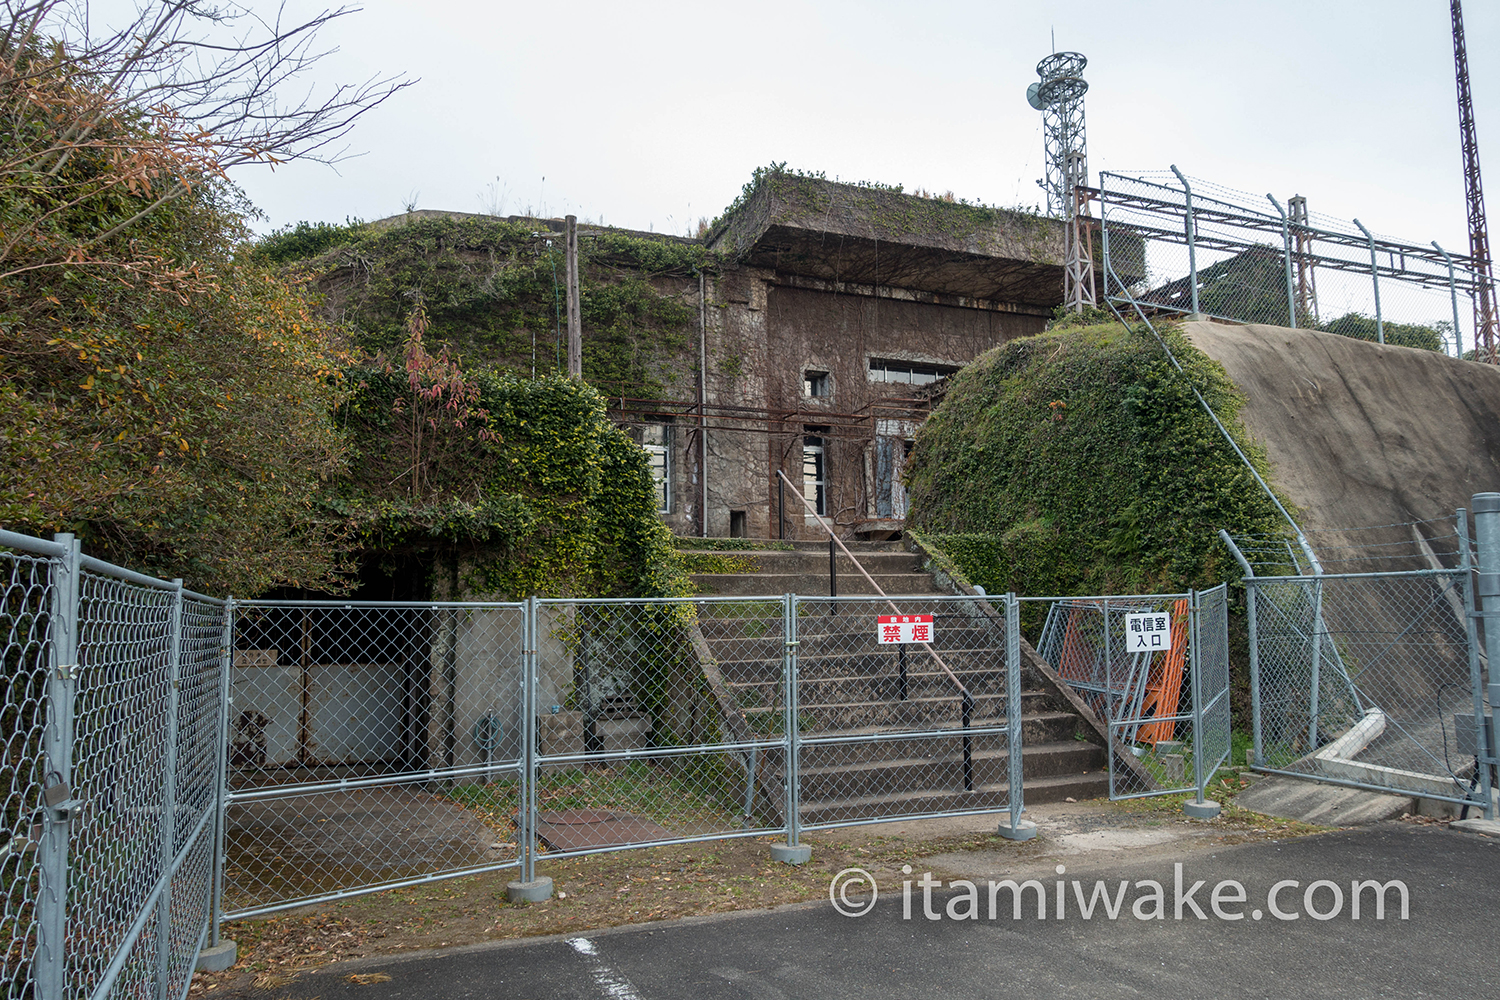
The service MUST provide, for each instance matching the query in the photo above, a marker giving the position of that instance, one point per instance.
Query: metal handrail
(968, 697)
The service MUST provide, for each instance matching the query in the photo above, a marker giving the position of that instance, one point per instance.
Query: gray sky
(650, 115)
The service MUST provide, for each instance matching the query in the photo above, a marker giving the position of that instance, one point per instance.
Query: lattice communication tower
(1059, 97)
(1479, 240)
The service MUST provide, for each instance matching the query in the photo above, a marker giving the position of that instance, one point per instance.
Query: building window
(814, 473)
(656, 438)
(907, 372)
(815, 384)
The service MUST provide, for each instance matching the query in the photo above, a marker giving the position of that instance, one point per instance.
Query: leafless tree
(185, 91)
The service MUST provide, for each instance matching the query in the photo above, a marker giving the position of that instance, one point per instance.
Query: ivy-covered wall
(524, 486)
(1078, 462)
(495, 291)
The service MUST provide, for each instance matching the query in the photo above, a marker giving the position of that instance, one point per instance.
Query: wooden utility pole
(575, 321)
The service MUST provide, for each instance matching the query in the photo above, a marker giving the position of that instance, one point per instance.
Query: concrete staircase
(803, 569)
(849, 685)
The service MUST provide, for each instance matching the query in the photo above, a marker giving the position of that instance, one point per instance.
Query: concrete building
(834, 311)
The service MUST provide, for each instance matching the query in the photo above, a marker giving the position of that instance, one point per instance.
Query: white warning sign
(1148, 633)
(904, 628)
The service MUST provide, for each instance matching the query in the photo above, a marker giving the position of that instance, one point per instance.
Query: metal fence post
(221, 783)
(1251, 586)
(1375, 278)
(1286, 256)
(50, 964)
(1016, 776)
(793, 736)
(1315, 630)
(1257, 738)
(167, 828)
(1486, 749)
(530, 629)
(1201, 807)
(1458, 338)
(1192, 236)
(1487, 534)
(1104, 232)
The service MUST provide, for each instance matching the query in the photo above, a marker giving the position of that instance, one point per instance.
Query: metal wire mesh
(659, 721)
(913, 723)
(370, 745)
(1155, 670)
(1142, 697)
(1200, 247)
(25, 610)
(1361, 677)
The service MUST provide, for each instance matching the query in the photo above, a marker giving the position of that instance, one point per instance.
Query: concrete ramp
(1324, 805)
(1361, 434)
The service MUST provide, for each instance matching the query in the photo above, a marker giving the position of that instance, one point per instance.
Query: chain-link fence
(112, 717)
(911, 708)
(1154, 669)
(1174, 244)
(174, 761)
(371, 745)
(1372, 679)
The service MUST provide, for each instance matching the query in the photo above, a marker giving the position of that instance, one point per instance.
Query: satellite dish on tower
(1034, 96)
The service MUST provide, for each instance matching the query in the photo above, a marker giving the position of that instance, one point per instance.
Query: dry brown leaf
(368, 978)
(271, 980)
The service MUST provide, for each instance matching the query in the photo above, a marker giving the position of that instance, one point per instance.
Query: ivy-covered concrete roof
(873, 235)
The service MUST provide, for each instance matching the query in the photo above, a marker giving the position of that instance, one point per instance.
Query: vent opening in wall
(736, 524)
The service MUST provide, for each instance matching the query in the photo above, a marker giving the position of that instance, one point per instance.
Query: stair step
(944, 769)
(1036, 791)
(768, 584)
(856, 546)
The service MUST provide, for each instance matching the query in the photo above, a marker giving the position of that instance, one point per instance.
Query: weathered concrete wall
(1361, 434)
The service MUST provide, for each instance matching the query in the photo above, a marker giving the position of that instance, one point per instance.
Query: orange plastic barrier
(1164, 684)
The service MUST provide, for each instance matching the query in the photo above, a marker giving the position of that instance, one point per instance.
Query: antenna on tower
(1479, 240)
(1059, 97)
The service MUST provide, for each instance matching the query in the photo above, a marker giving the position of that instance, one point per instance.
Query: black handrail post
(901, 687)
(833, 575)
(968, 742)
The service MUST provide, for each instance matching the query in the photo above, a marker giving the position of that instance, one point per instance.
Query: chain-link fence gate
(916, 713)
(1370, 679)
(371, 745)
(113, 690)
(1154, 668)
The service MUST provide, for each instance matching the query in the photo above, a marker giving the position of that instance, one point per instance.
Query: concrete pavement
(1447, 946)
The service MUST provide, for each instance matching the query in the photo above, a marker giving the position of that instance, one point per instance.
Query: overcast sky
(650, 115)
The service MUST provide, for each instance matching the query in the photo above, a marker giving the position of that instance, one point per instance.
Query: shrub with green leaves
(1078, 462)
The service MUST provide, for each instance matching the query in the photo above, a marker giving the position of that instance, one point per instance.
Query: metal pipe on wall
(703, 398)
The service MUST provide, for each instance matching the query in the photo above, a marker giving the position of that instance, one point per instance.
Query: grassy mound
(1078, 462)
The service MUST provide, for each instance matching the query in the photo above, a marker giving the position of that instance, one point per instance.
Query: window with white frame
(656, 438)
(907, 372)
(814, 473)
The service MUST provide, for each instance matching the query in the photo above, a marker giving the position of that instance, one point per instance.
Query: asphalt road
(1449, 946)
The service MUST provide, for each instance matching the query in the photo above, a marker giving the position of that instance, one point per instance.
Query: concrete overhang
(870, 235)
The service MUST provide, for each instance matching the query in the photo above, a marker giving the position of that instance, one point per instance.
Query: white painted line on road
(614, 985)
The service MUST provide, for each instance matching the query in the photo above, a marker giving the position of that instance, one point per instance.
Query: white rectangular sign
(904, 628)
(1148, 633)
